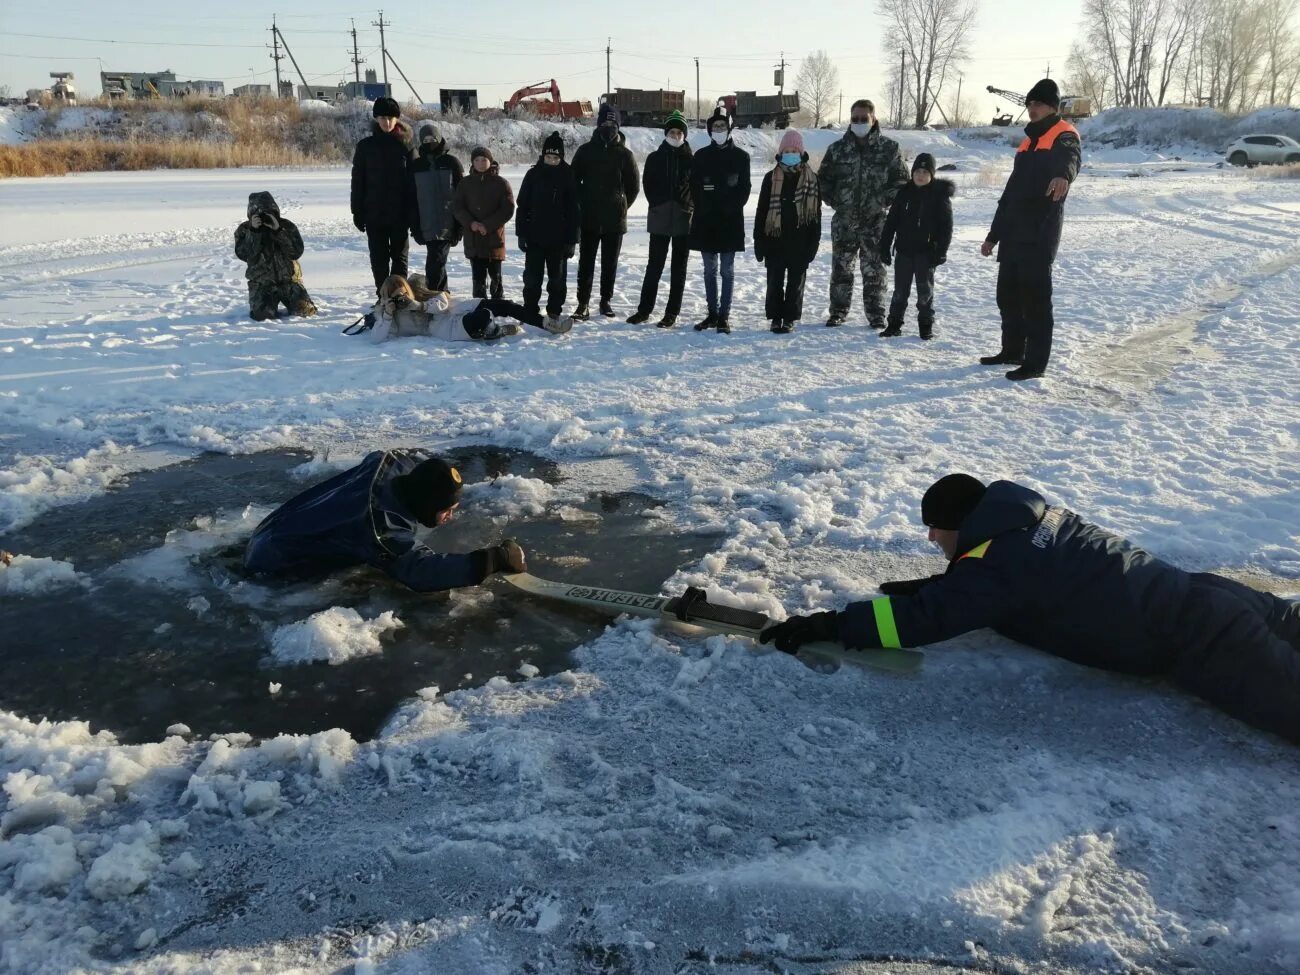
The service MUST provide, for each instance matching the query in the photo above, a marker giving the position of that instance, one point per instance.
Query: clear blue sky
(500, 46)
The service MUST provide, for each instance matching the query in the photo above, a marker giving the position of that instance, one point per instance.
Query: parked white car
(1252, 150)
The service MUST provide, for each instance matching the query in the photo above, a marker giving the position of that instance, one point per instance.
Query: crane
(1072, 106)
(553, 108)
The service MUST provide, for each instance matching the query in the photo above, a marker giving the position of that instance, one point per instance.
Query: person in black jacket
(1040, 574)
(788, 230)
(720, 188)
(381, 191)
(608, 183)
(1027, 232)
(435, 174)
(919, 230)
(667, 182)
(546, 220)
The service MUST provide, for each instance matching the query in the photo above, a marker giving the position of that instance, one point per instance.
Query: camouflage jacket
(271, 255)
(859, 177)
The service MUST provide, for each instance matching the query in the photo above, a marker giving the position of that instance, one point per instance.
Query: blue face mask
(791, 159)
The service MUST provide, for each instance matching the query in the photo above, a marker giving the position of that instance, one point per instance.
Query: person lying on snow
(407, 308)
(1040, 574)
(370, 515)
(271, 246)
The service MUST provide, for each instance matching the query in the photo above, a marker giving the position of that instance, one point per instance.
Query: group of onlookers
(883, 213)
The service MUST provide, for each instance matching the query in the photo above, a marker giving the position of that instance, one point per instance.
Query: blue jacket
(1043, 576)
(355, 518)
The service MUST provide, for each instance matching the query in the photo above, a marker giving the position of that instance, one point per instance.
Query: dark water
(134, 655)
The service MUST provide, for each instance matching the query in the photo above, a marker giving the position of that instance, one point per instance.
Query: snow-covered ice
(672, 804)
(335, 635)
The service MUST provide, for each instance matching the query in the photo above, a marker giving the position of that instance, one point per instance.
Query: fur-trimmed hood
(402, 130)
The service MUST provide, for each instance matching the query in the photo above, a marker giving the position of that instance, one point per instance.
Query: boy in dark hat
(380, 201)
(667, 180)
(720, 188)
(271, 246)
(1040, 574)
(370, 515)
(547, 222)
(917, 231)
(608, 183)
(435, 174)
(483, 205)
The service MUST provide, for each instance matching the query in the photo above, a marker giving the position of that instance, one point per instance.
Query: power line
(106, 40)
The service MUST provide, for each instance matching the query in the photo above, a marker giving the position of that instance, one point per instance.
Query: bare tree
(1279, 43)
(934, 36)
(819, 85)
(1086, 75)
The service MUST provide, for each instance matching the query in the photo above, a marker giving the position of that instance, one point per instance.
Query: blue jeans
(711, 280)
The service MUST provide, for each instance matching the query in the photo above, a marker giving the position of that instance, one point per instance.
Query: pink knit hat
(792, 141)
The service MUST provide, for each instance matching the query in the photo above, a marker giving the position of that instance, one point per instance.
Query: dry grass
(1286, 171)
(990, 176)
(58, 157)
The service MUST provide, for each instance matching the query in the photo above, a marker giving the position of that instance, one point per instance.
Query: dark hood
(262, 202)
(432, 150)
(1005, 507)
(944, 187)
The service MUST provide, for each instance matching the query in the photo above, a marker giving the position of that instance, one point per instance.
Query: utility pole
(293, 60)
(356, 56)
(383, 49)
(276, 55)
(956, 110)
(608, 44)
(781, 76)
(698, 108)
(902, 84)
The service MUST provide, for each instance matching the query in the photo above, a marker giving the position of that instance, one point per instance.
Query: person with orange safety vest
(1040, 574)
(1027, 232)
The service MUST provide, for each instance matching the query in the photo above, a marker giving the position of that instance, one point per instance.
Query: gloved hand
(759, 255)
(886, 258)
(939, 259)
(359, 223)
(271, 221)
(569, 252)
(523, 245)
(508, 556)
(418, 238)
(907, 587)
(798, 630)
(255, 221)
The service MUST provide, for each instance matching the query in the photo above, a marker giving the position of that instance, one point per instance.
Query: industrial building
(156, 84)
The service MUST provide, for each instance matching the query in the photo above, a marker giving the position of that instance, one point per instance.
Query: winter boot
(304, 309)
(836, 320)
(668, 321)
(926, 329)
(581, 313)
(640, 318)
(724, 326)
(1001, 359)
(782, 328)
(1024, 372)
(557, 325)
(710, 320)
(895, 329)
(607, 309)
(877, 323)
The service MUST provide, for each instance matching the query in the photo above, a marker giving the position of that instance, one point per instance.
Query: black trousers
(654, 270)
(483, 268)
(909, 269)
(1025, 301)
(435, 264)
(555, 266)
(609, 245)
(389, 248)
(478, 323)
(1239, 649)
(785, 283)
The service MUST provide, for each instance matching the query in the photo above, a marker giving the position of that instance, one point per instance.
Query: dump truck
(641, 106)
(749, 108)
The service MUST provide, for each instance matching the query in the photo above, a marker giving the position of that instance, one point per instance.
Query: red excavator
(555, 108)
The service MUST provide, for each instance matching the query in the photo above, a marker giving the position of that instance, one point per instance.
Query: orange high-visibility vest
(1048, 138)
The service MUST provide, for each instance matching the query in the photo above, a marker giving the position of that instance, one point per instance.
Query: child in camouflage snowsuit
(271, 246)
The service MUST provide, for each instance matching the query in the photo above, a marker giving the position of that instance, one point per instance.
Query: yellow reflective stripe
(977, 552)
(886, 629)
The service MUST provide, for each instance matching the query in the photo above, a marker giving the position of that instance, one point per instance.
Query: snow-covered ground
(671, 804)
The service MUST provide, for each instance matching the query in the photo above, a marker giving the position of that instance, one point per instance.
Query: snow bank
(335, 635)
(1203, 129)
(26, 576)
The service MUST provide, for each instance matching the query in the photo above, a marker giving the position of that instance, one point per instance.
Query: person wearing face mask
(667, 181)
(788, 230)
(920, 225)
(608, 183)
(1027, 233)
(1040, 574)
(483, 205)
(546, 220)
(860, 174)
(720, 188)
(435, 174)
(381, 190)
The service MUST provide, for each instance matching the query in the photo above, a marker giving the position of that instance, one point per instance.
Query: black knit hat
(1046, 92)
(483, 151)
(432, 486)
(924, 161)
(718, 113)
(554, 143)
(949, 500)
(608, 112)
(386, 107)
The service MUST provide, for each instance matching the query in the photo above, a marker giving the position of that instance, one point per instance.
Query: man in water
(370, 515)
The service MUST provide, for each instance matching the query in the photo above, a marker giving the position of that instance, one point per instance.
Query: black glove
(886, 258)
(758, 254)
(570, 251)
(359, 223)
(798, 630)
(907, 587)
(939, 259)
(497, 558)
(523, 245)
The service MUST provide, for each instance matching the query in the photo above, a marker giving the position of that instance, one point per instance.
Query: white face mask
(675, 139)
(860, 128)
(719, 137)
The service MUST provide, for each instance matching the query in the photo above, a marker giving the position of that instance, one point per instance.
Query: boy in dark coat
(608, 183)
(546, 220)
(271, 246)
(917, 231)
(720, 187)
(370, 515)
(435, 174)
(381, 191)
(1040, 574)
(483, 205)
(788, 230)
(667, 182)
